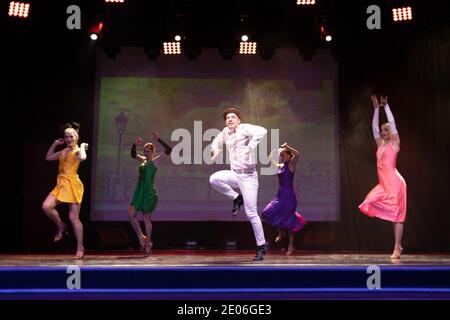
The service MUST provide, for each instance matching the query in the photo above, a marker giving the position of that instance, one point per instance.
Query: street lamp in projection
(121, 125)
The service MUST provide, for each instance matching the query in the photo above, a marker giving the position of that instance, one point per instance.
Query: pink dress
(387, 200)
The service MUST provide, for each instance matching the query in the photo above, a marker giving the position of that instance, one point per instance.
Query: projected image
(186, 110)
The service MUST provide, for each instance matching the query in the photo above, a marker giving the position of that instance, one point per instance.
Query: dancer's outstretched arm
(167, 149)
(51, 154)
(295, 156)
(134, 154)
(216, 145)
(257, 133)
(375, 120)
(82, 152)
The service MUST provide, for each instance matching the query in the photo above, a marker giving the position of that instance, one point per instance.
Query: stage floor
(228, 258)
(202, 274)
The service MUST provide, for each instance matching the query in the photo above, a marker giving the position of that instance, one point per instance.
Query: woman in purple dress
(281, 211)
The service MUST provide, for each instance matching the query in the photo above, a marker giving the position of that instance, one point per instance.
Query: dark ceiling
(216, 24)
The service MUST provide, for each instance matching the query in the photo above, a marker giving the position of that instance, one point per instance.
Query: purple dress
(281, 211)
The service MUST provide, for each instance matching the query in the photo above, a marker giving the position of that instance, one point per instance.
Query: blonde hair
(289, 152)
(386, 124)
(73, 131)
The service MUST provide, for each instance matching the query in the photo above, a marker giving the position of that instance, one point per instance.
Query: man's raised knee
(213, 179)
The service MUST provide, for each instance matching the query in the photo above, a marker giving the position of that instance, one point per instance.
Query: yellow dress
(69, 187)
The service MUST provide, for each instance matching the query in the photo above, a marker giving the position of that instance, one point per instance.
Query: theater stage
(230, 274)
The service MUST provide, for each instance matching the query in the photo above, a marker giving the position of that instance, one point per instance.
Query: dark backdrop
(49, 76)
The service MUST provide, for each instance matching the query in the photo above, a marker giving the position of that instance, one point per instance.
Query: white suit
(243, 175)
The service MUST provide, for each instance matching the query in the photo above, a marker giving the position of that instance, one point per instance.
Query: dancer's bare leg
(48, 206)
(398, 235)
(74, 216)
(291, 248)
(148, 230)
(132, 216)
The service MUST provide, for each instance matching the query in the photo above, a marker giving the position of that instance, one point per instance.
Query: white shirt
(240, 144)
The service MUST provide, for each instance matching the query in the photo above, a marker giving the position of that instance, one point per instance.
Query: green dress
(145, 197)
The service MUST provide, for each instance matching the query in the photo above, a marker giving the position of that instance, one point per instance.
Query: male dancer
(241, 140)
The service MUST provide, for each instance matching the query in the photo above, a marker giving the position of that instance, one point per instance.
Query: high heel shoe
(148, 248)
(289, 252)
(396, 254)
(143, 241)
(80, 254)
(278, 238)
(62, 230)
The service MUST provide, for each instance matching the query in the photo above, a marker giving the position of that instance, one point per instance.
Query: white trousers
(225, 180)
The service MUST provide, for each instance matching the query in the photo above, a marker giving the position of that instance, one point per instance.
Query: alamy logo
(182, 151)
(374, 20)
(74, 20)
(74, 280)
(374, 280)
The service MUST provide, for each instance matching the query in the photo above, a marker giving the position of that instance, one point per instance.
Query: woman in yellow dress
(69, 188)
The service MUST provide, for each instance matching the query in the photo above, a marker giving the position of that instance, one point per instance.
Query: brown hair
(232, 110)
(150, 145)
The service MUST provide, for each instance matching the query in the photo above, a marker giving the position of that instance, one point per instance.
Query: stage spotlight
(402, 14)
(95, 31)
(114, 1)
(325, 32)
(171, 48)
(19, 9)
(306, 2)
(179, 27)
(247, 48)
(244, 30)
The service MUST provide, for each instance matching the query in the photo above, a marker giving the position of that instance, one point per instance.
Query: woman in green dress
(145, 196)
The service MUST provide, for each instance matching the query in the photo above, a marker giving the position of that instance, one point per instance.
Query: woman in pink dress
(387, 200)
